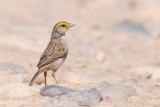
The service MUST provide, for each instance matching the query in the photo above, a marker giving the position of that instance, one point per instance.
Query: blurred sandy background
(120, 36)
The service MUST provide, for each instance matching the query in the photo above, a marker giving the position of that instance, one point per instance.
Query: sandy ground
(120, 37)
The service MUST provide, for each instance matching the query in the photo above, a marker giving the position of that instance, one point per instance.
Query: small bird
(55, 53)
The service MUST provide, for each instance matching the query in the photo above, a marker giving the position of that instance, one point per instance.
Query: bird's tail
(34, 77)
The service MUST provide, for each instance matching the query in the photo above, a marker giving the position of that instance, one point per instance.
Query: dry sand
(117, 42)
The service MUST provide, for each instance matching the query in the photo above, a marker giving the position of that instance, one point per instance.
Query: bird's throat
(57, 35)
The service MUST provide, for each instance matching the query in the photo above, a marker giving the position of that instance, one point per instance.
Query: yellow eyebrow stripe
(63, 23)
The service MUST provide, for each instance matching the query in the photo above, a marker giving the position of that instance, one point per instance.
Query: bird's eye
(63, 25)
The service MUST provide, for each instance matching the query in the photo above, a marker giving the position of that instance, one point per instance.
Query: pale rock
(148, 72)
(77, 99)
(11, 68)
(136, 99)
(102, 84)
(155, 102)
(149, 90)
(81, 65)
(157, 81)
(16, 103)
(54, 90)
(146, 75)
(100, 57)
(4, 79)
(63, 104)
(17, 90)
(117, 91)
(130, 82)
(49, 104)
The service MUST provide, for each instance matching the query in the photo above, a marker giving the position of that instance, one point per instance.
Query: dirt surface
(115, 41)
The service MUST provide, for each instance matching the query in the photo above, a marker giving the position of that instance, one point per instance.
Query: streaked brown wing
(53, 52)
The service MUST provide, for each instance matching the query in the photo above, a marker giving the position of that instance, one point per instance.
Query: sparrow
(55, 53)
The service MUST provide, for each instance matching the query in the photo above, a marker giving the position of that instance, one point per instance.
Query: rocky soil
(113, 60)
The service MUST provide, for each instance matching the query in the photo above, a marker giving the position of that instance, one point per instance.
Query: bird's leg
(45, 75)
(53, 75)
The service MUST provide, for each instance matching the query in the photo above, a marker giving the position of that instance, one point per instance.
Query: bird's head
(62, 27)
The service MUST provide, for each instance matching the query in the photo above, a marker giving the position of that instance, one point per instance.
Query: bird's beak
(71, 25)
